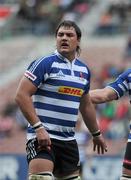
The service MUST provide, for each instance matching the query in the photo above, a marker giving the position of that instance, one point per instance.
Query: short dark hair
(68, 23)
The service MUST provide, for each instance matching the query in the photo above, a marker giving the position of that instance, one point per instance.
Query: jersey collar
(63, 58)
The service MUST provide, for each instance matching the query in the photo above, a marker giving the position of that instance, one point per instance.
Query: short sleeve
(37, 71)
(88, 76)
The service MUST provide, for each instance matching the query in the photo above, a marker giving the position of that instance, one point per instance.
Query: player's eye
(60, 34)
(70, 34)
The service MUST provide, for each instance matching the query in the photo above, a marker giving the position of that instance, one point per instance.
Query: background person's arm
(102, 95)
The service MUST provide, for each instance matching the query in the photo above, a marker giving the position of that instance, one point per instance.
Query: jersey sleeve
(120, 85)
(88, 76)
(37, 71)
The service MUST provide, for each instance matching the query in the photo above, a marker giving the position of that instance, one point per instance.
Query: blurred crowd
(116, 19)
(42, 16)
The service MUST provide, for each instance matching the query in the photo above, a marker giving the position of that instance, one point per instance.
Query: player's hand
(43, 138)
(99, 144)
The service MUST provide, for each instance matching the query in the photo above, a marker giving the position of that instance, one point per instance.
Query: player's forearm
(89, 117)
(98, 96)
(102, 95)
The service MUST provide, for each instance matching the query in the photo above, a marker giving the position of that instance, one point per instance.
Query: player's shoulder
(46, 59)
(80, 63)
(126, 73)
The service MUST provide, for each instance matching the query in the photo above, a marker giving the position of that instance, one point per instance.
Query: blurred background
(27, 32)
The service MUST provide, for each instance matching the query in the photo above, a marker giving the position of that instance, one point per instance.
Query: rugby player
(50, 94)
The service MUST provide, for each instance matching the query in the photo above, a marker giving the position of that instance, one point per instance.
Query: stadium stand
(116, 19)
(42, 16)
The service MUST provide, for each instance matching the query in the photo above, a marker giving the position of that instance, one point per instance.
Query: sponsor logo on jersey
(70, 91)
(60, 73)
(57, 75)
(81, 77)
(29, 75)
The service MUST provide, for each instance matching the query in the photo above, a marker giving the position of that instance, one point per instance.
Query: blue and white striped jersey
(122, 85)
(61, 84)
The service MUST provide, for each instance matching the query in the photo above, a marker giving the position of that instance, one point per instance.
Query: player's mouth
(64, 45)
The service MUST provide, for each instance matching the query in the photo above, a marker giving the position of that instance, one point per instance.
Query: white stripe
(58, 128)
(69, 78)
(126, 84)
(49, 87)
(29, 75)
(46, 76)
(120, 86)
(57, 115)
(80, 68)
(32, 150)
(75, 67)
(57, 102)
(31, 136)
(59, 65)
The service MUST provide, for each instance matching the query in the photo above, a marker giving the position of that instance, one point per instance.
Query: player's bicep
(85, 101)
(26, 87)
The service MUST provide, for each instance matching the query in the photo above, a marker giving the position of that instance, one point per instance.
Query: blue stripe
(35, 64)
(129, 137)
(58, 96)
(122, 84)
(117, 88)
(30, 130)
(59, 82)
(55, 108)
(57, 122)
(129, 91)
(80, 63)
(77, 74)
(62, 134)
(56, 70)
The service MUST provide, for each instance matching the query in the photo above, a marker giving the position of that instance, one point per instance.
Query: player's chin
(64, 48)
(64, 51)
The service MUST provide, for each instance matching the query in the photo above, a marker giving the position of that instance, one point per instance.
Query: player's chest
(61, 75)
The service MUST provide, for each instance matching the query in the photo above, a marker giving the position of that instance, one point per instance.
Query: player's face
(67, 42)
